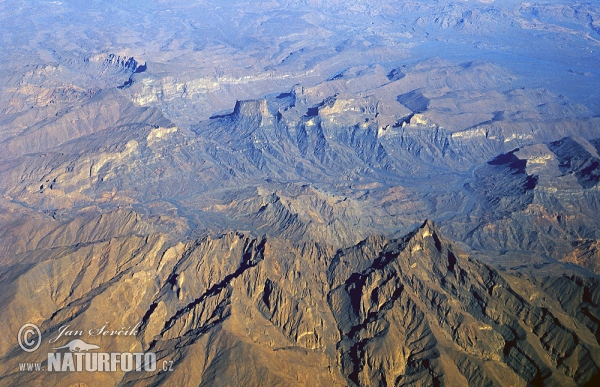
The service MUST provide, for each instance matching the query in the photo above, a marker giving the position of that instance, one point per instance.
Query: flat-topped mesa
(348, 105)
(343, 111)
(253, 109)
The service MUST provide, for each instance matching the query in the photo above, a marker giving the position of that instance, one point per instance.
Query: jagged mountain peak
(425, 253)
(423, 289)
(429, 227)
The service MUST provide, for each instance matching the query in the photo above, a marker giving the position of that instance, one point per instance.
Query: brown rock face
(238, 310)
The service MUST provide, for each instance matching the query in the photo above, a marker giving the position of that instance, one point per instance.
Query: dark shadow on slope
(414, 100)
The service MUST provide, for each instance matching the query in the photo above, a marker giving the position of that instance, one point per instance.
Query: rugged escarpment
(506, 169)
(335, 129)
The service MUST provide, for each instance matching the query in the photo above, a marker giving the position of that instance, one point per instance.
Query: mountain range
(303, 193)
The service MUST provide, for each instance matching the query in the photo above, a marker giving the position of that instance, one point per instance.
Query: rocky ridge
(409, 311)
